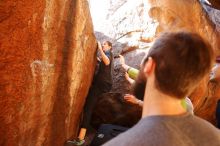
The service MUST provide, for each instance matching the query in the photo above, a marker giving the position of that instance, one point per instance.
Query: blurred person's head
(181, 60)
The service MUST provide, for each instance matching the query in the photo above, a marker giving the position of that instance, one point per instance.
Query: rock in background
(186, 15)
(47, 64)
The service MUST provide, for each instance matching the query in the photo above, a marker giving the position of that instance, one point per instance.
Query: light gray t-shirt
(181, 130)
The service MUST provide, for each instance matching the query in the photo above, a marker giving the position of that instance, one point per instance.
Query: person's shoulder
(206, 126)
(133, 136)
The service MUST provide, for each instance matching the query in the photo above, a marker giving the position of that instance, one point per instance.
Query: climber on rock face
(104, 76)
(102, 83)
(172, 69)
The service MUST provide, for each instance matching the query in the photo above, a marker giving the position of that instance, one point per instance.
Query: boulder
(47, 64)
(186, 15)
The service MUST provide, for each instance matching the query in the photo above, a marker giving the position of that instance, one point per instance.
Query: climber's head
(106, 45)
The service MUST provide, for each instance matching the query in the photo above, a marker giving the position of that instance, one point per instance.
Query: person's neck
(158, 103)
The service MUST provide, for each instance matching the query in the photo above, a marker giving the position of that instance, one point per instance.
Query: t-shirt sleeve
(133, 72)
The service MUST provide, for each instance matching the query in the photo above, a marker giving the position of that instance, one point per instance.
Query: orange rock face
(46, 68)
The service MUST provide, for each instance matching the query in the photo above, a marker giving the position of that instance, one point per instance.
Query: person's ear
(149, 66)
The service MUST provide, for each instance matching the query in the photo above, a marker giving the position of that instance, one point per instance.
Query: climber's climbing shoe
(76, 142)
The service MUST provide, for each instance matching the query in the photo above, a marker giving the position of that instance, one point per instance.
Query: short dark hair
(182, 60)
(109, 43)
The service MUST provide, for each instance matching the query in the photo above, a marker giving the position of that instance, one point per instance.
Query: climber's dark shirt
(104, 74)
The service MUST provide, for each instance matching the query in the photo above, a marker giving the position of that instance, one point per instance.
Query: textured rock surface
(184, 15)
(213, 15)
(129, 21)
(47, 64)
